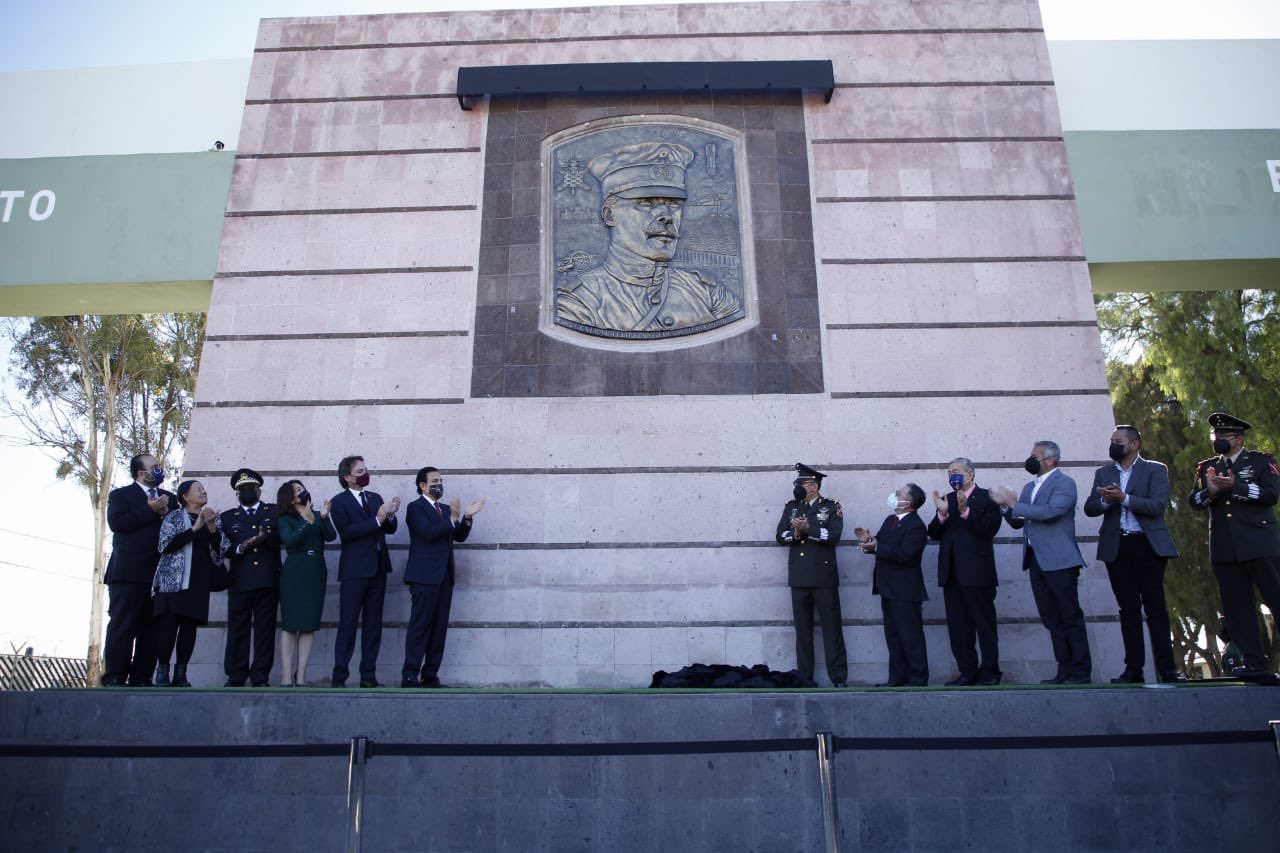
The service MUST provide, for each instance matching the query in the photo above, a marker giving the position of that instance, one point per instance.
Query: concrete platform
(892, 794)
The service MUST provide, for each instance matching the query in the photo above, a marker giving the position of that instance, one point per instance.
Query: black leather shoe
(839, 684)
(1129, 676)
(1077, 679)
(1172, 677)
(410, 682)
(1057, 679)
(180, 675)
(432, 682)
(963, 681)
(230, 683)
(342, 682)
(990, 680)
(370, 682)
(112, 681)
(162, 675)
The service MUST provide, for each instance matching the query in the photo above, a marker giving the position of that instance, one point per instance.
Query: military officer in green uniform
(1240, 488)
(810, 527)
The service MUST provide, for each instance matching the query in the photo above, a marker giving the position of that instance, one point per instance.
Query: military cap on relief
(1228, 423)
(643, 170)
(246, 477)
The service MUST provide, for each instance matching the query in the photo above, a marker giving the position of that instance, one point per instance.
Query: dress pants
(1137, 579)
(971, 616)
(1235, 584)
(129, 651)
(826, 600)
(254, 611)
(359, 600)
(904, 635)
(428, 624)
(1058, 602)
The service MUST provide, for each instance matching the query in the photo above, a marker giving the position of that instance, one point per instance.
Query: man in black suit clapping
(899, 581)
(966, 523)
(134, 513)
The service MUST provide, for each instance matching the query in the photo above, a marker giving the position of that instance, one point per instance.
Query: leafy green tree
(95, 391)
(1173, 358)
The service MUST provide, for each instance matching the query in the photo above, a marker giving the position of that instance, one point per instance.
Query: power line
(45, 539)
(44, 571)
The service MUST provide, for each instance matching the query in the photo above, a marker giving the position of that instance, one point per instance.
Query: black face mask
(799, 493)
(1032, 465)
(248, 495)
(1117, 451)
(1222, 446)
(436, 491)
(304, 497)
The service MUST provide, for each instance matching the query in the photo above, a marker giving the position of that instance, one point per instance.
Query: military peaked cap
(246, 477)
(1223, 422)
(803, 471)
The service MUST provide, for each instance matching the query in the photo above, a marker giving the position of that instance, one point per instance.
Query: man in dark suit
(251, 538)
(1046, 515)
(1240, 489)
(899, 581)
(433, 528)
(134, 513)
(1131, 496)
(363, 521)
(966, 524)
(810, 527)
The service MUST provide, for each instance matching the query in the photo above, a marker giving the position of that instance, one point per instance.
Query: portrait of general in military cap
(620, 273)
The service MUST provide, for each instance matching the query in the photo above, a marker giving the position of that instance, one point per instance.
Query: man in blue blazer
(363, 522)
(1046, 515)
(134, 513)
(899, 581)
(433, 528)
(1131, 496)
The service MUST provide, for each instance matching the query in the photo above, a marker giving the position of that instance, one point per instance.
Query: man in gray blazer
(1131, 496)
(1046, 515)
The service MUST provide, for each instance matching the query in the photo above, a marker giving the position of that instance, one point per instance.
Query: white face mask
(892, 502)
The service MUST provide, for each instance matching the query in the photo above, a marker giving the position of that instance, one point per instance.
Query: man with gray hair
(1046, 515)
(966, 523)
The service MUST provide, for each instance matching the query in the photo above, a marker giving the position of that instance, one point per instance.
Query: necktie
(364, 502)
(440, 510)
(151, 493)
(894, 523)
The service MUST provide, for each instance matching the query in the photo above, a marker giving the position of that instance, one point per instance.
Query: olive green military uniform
(815, 583)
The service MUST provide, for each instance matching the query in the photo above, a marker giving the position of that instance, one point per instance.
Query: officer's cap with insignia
(1223, 422)
(246, 477)
(643, 170)
(804, 472)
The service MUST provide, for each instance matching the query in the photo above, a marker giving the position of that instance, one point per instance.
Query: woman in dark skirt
(303, 532)
(190, 537)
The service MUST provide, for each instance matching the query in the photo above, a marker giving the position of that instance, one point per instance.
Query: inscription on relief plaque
(645, 239)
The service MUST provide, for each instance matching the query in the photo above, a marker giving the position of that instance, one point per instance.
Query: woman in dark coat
(303, 532)
(190, 537)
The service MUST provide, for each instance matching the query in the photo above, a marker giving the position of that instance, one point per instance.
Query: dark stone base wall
(1193, 798)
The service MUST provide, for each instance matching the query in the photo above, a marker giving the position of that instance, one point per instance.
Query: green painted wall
(146, 219)
(1186, 195)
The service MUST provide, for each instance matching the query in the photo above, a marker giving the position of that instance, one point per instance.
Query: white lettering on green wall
(39, 207)
(1273, 166)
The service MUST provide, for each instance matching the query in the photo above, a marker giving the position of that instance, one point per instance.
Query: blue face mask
(956, 481)
(156, 475)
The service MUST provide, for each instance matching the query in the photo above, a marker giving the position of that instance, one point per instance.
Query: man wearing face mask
(1240, 488)
(364, 522)
(966, 523)
(251, 535)
(1046, 515)
(1131, 496)
(810, 527)
(429, 573)
(134, 513)
(899, 581)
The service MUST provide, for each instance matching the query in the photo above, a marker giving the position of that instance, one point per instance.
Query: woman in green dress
(303, 532)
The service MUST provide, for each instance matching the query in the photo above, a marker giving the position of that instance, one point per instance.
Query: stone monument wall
(920, 294)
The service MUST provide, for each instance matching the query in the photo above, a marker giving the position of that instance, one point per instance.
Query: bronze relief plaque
(646, 241)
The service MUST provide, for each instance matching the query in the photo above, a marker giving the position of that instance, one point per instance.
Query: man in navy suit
(433, 528)
(1131, 496)
(1046, 515)
(251, 536)
(363, 521)
(899, 581)
(134, 513)
(966, 523)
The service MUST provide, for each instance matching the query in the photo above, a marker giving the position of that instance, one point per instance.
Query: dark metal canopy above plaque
(615, 77)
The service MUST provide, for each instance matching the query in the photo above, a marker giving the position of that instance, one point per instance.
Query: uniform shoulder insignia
(839, 509)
